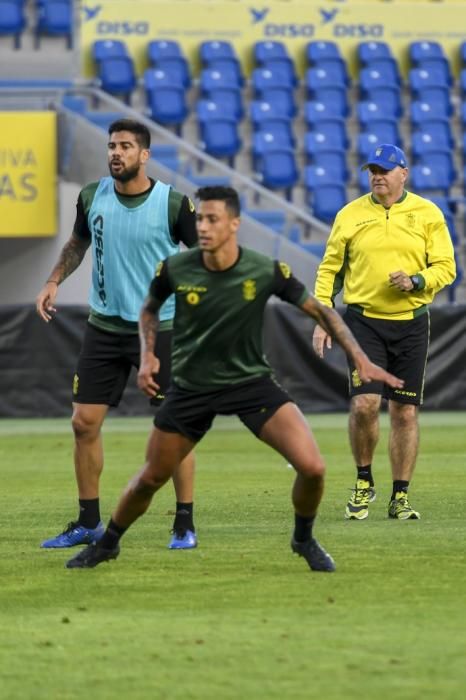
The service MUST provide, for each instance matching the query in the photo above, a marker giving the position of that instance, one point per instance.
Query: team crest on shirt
(286, 270)
(191, 205)
(75, 384)
(410, 219)
(249, 290)
(355, 378)
(193, 298)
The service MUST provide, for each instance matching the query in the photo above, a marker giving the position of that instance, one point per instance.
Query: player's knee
(312, 469)
(364, 408)
(84, 427)
(403, 415)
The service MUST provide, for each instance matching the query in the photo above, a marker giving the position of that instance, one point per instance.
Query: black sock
(365, 473)
(89, 512)
(303, 527)
(112, 535)
(400, 486)
(184, 517)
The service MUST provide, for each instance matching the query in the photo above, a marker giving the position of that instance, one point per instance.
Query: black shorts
(105, 362)
(400, 347)
(191, 413)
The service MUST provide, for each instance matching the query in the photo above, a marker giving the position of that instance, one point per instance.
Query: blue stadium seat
(388, 68)
(421, 50)
(318, 249)
(54, 18)
(108, 48)
(167, 105)
(278, 170)
(437, 98)
(369, 51)
(269, 140)
(439, 130)
(315, 111)
(177, 68)
(317, 77)
(229, 99)
(325, 200)
(363, 181)
(383, 130)
(220, 137)
(387, 98)
(317, 51)
(315, 175)
(263, 51)
(158, 49)
(334, 131)
(368, 112)
(208, 109)
(426, 179)
(117, 76)
(12, 20)
(266, 78)
(272, 218)
(423, 142)
(422, 111)
(420, 78)
(439, 159)
(315, 141)
(334, 96)
(228, 67)
(281, 99)
(366, 143)
(332, 161)
(260, 111)
(223, 74)
(284, 65)
(214, 50)
(155, 78)
(370, 78)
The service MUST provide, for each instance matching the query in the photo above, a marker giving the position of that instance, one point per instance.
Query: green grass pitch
(240, 618)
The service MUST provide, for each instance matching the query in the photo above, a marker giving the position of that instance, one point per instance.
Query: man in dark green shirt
(218, 367)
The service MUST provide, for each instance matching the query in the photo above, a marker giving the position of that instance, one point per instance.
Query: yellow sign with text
(28, 171)
(293, 23)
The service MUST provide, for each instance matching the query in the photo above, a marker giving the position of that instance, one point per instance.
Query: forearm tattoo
(70, 258)
(332, 322)
(148, 325)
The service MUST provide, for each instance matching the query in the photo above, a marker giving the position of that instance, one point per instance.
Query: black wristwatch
(416, 282)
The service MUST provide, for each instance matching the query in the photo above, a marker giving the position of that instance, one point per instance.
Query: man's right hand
(149, 367)
(320, 339)
(45, 301)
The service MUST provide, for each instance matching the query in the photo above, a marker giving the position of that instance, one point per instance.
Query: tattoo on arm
(332, 322)
(71, 257)
(148, 325)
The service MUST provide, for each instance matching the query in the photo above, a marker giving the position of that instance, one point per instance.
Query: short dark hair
(223, 194)
(140, 131)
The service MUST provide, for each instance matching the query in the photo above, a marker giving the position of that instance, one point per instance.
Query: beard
(125, 174)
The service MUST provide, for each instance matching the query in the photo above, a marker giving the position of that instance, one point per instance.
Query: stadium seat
(261, 111)
(383, 128)
(281, 99)
(167, 105)
(336, 97)
(263, 51)
(420, 78)
(317, 51)
(325, 200)
(388, 99)
(108, 48)
(284, 65)
(315, 141)
(317, 175)
(439, 159)
(12, 20)
(333, 160)
(220, 138)
(315, 111)
(370, 78)
(228, 66)
(363, 181)
(272, 218)
(278, 170)
(369, 51)
(426, 179)
(318, 249)
(368, 112)
(229, 100)
(422, 111)
(266, 78)
(214, 50)
(439, 131)
(388, 68)
(269, 139)
(333, 130)
(177, 68)
(55, 18)
(437, 98)
(423, 142)
(317, 77)
(430, 55)
(117, 76)
(158, 49)
(223, 74)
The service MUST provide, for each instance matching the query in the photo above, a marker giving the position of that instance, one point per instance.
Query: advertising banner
(294, 23)
(28, 171)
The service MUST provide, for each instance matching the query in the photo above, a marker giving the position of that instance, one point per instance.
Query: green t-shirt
(217, 336)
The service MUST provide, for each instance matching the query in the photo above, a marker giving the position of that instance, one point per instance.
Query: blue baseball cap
(386, 156)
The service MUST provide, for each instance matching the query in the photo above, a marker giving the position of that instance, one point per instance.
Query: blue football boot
(75, 534)
(183, 539)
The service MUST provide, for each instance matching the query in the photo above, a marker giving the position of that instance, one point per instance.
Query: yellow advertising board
(28, 171)
(294, 22)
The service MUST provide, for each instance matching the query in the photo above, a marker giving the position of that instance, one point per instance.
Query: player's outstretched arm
(70, 258)
(333, 325)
